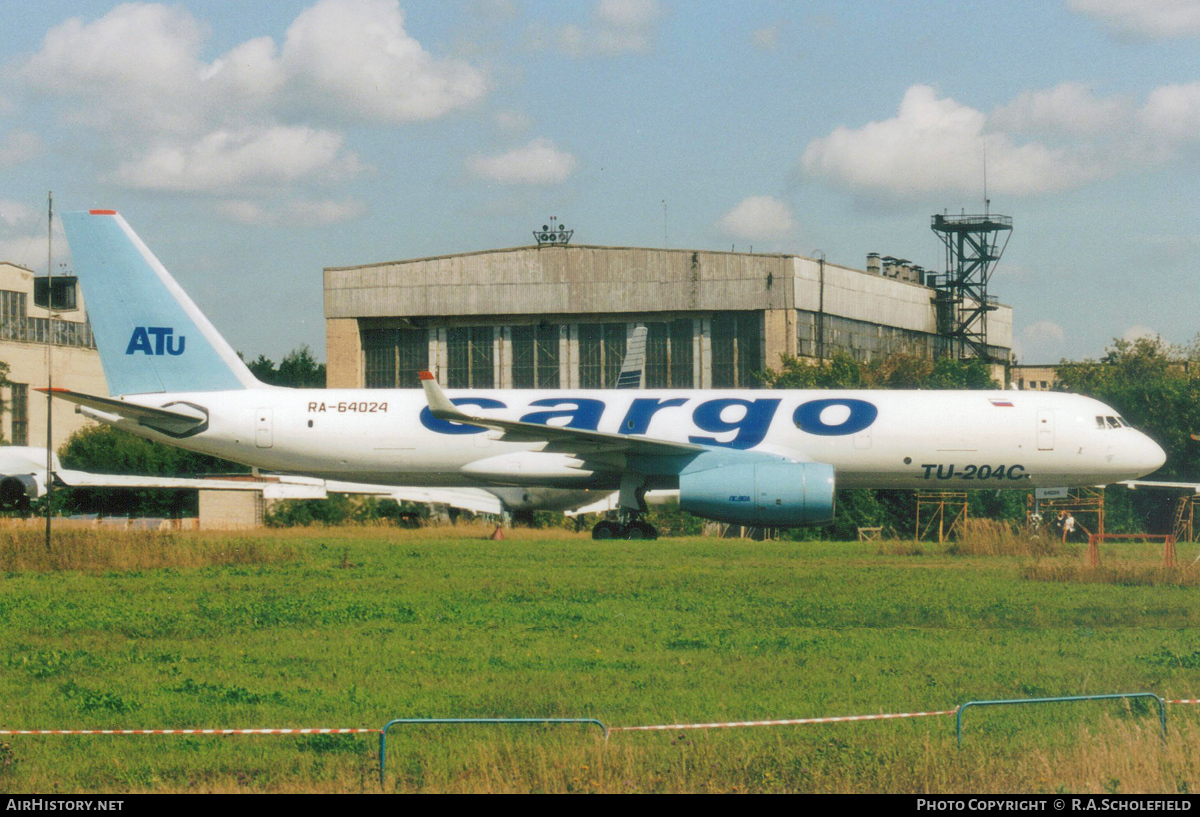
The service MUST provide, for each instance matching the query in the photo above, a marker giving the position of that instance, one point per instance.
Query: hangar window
(469, 356)
(535, 357)
(20, 413)
(736, 349)
(601, 352)
(669, 355)
(392, 357)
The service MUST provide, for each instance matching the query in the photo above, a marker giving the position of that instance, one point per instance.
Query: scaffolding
(974, 244)
(1184, 526)
(1085, 502)
(941, 512)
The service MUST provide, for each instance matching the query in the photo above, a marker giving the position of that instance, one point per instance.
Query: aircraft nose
(1149, 455)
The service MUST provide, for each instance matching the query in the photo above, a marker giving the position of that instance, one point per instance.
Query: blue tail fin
(151, 336)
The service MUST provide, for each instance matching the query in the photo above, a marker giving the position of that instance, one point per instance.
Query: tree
(1153, 386)
(298, 370)
(103, 449)
(901, 371)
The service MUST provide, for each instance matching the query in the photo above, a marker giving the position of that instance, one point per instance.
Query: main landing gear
(630, 523)
(616, 529)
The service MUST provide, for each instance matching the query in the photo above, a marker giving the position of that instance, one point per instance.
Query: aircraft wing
(86, 479)
(1174, 486)
(177, 419)
(578, 441)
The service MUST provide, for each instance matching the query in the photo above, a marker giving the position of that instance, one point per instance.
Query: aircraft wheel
(641, 530)
(605, 529)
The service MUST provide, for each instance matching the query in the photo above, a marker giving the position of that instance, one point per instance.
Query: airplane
(765, 458)
(24, 478)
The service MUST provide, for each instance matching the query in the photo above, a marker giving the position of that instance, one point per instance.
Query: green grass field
(352, 627)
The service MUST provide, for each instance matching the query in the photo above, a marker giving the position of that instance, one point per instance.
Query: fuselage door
(263, 434)
(1045, 429)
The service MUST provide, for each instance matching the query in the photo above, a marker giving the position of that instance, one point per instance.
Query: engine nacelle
(18, 490)
(763, 494)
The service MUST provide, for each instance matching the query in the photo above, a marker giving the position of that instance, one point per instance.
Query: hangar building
(557, 316)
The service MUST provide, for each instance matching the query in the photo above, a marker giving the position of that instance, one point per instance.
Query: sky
(253, 144)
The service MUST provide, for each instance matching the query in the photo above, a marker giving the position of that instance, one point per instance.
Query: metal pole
(821, 311)
(49, 357)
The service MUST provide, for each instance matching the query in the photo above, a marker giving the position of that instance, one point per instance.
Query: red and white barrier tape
(792, 722)
(1185, 701)
(188, 731)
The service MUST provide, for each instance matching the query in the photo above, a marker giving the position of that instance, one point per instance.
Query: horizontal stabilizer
(178, 419)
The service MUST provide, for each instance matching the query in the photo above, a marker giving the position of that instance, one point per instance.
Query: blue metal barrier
(1162, 707)
(469, 721)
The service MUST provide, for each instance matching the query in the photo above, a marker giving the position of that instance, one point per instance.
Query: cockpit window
(1112, 422)
(1100, 424)
(1124, 423)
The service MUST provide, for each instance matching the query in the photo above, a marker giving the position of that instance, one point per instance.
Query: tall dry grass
(994, 537)
(1133, 574)
(91, 550)
(1115, 756)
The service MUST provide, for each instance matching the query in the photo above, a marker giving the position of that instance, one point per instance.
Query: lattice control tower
(974, 245)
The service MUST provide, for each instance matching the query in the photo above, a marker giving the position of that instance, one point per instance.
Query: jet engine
(763, 494)
(17, 490)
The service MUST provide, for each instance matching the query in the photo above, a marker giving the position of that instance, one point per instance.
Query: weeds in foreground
(91, 550)
(1131, 574)
(994, 537)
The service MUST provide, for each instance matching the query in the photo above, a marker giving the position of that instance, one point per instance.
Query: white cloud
(1067, 108)
(537, 163)
(617, 27)
(138, 78)
(1172, 112)
(297, 213)
(354, 56)
(19, 146)
(1138, 331)
(759, 218)
(23, 237)
(14, 215)
(324, 212)
(1043, 332)
(227, 159)
(937, 145)
(1152, 18)
(140, 63)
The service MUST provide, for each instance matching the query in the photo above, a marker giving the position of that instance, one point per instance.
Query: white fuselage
(874, 439)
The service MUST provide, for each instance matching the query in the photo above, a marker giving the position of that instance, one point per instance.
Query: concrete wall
(223, 510)
(559, 280)
(343, 354)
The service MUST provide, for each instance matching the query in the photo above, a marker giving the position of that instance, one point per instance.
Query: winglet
(439, 404)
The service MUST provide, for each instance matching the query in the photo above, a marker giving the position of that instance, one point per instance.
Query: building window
(469, 355)
(601, 353)
(20, 413)
(535, 357)
(392, 357)
(669, 355)
(736, 349)
(13, 315)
